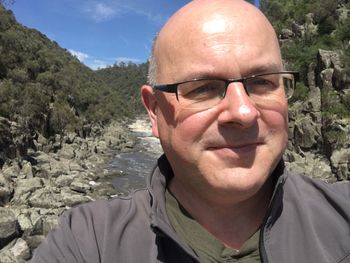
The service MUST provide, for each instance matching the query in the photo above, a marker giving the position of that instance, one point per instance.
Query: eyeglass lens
(203, 94)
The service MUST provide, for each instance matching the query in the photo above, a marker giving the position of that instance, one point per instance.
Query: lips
(239, 148)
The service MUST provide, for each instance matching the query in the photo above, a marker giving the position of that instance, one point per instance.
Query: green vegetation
(330, 33)
(316, 25)
(127, 78)
(48, 90)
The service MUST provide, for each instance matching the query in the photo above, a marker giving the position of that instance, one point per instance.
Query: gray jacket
(308, 221)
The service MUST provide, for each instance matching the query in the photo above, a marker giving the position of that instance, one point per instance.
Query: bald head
(206, 27)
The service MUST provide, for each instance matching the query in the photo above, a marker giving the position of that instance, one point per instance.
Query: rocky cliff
(319, 129)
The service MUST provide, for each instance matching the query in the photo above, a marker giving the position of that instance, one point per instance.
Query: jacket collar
(162, 174)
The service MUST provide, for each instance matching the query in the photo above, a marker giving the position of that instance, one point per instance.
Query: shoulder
(302, 192)
(307, 185)
(108, 211)
(87, 232)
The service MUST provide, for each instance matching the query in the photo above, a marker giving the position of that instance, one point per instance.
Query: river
(136, 164)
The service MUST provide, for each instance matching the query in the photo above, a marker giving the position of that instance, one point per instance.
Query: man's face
(234, 146)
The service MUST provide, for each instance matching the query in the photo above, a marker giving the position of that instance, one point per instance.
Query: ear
(150, 102)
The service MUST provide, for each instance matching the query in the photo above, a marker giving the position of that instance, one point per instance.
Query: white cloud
(101, 12)
(79, 55)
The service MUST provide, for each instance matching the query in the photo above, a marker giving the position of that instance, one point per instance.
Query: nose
(237, 108)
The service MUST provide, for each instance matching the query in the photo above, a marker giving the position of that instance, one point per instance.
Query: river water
(136, 164)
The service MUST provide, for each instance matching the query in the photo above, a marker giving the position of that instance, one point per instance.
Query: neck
(231, 222)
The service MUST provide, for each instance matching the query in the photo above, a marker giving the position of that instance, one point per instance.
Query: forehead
(216, 44)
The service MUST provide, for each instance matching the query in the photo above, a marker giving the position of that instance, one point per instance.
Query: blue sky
(99, 32)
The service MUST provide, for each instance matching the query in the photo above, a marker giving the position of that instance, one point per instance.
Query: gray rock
(64, 180)
(46, 198)
(327, 59)
(327, 78)
(27, 169)
(340, 160)
(30, 222)
(70, 137)
(299, 30)
(6, 190)
(34, 241)
(71, 198)
(341, 79)
(67, 152)
(24, 189)
(80, 186)
(7, 257)
(20, 250)
(12, 171)
(305, 133)
(340, 156)
(74, 166)
(9, 228)
(310, 165)
(286, 34)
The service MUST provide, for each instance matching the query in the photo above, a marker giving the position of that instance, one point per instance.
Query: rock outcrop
(319, 139)
(48, 177)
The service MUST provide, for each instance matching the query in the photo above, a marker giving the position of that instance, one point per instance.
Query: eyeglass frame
(172, 88)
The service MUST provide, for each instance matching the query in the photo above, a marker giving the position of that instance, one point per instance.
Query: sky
(99, 32)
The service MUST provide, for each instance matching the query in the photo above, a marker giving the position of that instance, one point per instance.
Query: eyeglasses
(204, 93)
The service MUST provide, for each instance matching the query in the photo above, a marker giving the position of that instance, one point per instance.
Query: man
(218, 103)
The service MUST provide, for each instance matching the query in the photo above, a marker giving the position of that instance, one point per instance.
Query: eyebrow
(255, 70)
(266, 68)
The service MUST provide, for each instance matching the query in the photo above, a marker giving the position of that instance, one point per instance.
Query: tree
(7, 2)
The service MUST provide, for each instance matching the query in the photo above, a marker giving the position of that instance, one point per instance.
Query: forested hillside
(127, 78)
(44, 88)
(306, 26)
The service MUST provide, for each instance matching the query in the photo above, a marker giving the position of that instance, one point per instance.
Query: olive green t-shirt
(204, 244)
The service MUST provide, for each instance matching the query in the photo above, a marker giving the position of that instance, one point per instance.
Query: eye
(261, 85)
(203, 90)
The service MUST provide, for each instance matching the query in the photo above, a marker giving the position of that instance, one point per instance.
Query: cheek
(275, 113)
(191, 126)
(275, 119)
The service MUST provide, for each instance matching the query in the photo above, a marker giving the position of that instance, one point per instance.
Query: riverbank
(136, 164)
(63, 172)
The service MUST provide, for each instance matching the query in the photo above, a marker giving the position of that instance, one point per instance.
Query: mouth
(238, 149)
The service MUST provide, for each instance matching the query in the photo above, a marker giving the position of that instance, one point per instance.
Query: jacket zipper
(263, 254)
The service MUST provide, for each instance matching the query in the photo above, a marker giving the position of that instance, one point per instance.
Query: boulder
(25, 187)
(79, 185)
(20, 250)
(327, 59)
(309, 164)
(340, 160)
(46, 198)
(67, 152)
(306, 133)
(71, 198)
(27, 169)
(6, 190)
(30, 222)
(286, 34)
(64, 180)
(9, 228)
(341, 80)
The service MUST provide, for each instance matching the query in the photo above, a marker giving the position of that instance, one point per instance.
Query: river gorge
(134, 164)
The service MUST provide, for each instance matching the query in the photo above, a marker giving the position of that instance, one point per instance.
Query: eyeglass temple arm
(172, 88)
